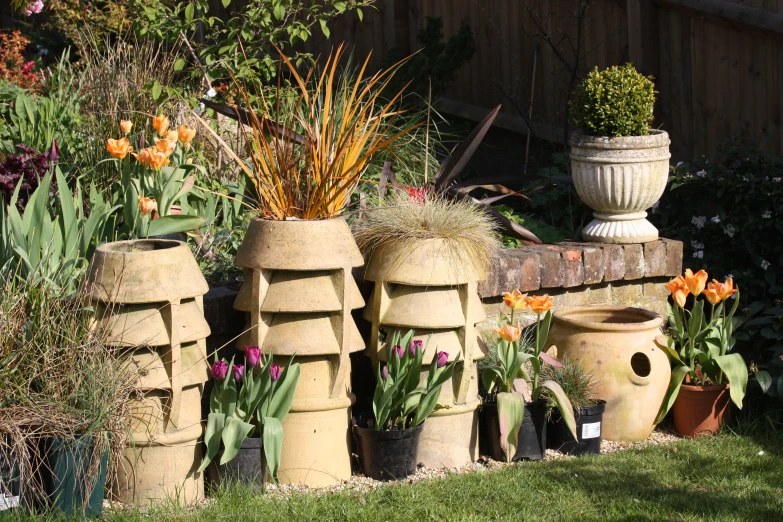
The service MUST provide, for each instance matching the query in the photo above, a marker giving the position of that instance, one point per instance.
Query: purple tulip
(252, 355)
(414, 346)
(239, 372)
(443, 358)
(274, 372)
(384, 373)
(398, 350)
(219, 370)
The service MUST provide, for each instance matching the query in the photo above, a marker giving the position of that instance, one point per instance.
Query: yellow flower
(165, 146)
(119, 148)
(126, 126)
(725, 290)
(509, 333)
(161, 124)
(515, 299)
(540, 303)
(147, 205)
(679, 290)
(695, 282)
(151, 157)
(185, 134)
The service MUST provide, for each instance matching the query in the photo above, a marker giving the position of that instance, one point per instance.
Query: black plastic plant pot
(588, 429)
(388, 455)
(248, 467)
(9, 480)
(531, 439)
(74, 476)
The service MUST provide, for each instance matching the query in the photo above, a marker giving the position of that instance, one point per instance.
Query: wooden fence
(718, 63)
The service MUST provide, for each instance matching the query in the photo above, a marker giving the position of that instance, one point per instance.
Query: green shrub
(617, 101)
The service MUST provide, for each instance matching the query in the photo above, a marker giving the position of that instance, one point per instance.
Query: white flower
(729, 230)
(761, 452)
(699, 221)
(744, 178)
(764, 264)
(701, 173)
(716, 219)
(776, 180)
(211, 93)
(767, 214)
(698, 246)
(679, 163)
(698, 254)
(43, 51)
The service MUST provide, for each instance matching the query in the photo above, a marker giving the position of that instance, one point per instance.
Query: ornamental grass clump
(417, 215)
(617, 101)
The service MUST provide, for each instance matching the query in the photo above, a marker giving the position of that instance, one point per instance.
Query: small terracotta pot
(700, 410)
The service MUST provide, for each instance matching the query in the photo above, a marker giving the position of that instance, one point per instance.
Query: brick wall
(587, 273)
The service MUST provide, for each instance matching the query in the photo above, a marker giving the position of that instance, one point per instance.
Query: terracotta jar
(617, 346)
(619, 178)
(422, 287)
(148, 296)
(700, 410)
(298, 295)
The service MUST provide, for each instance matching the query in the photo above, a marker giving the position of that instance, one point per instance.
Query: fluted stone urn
(425, 287)
(148, 297)
(620, 178)
(298, 295)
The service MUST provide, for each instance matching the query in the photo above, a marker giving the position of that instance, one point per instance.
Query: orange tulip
(725, 290)
(147, 205)
(126, 126)
(119, 148)
(540, 303)
(695, 282)
(515, 299)
(165, 146)
(509, 333)
(711, 293)
(679, 290)
(185, 134)
(151, 157)
(161, 124)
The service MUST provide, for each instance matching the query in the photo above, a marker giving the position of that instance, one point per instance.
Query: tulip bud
(252, 355)
(415, 345)
(238, 371)
(398, 350)
(126, 126)
(219, 370)
(384, 373)
(274, 372)
(443, 358)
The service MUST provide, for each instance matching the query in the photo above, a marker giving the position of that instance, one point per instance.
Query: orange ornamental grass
(540, 303)
(119, 148)
(309, 148)
(515, 299)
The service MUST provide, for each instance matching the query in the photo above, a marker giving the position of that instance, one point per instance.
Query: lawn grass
(711, 479)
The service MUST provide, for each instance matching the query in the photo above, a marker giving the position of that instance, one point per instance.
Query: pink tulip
(219, 370)
(384, 373)
(414, 346)
(443, 358)
(274, 372)
(252, 355)
(398, 350)
(239, 372)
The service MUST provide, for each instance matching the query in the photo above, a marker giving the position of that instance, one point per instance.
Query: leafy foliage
(578, 385)
(547, 233)
(617, 101)
(23, 170)
(13, 67)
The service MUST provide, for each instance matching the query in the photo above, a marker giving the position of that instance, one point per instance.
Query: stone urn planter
(617, 346)
(148, 295)
(619, 178)
(420, 287)
(298, 295)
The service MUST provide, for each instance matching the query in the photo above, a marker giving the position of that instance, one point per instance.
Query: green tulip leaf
(563, 404)
(212, 436)
(234, 433)
(733, 365)
(678, 374)
(273, 445)
(511, 413)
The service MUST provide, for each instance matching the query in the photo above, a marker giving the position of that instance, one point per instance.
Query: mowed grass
(711, 479)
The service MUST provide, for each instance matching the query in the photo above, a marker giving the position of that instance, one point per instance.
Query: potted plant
(307, 150)
(425, 256)
(580, 388)
(619, 165)
(401, 404)
(517, 419)
(247, 398)
(705, 374)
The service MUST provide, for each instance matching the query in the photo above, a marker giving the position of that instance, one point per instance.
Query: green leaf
(284, 393)
(279, 10)
(174, 224)
(234, 433)
(360, 14)
(212, 436)
(733, 365)
(273, 445)
(179, 64)
(678, 374)
(324, 27)
(226, 3)
(511, 413)
(764, 380)
(564, 405)
(157, 90)
(190, 11)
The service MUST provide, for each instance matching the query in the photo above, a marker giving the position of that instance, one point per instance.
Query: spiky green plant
(578, 385)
